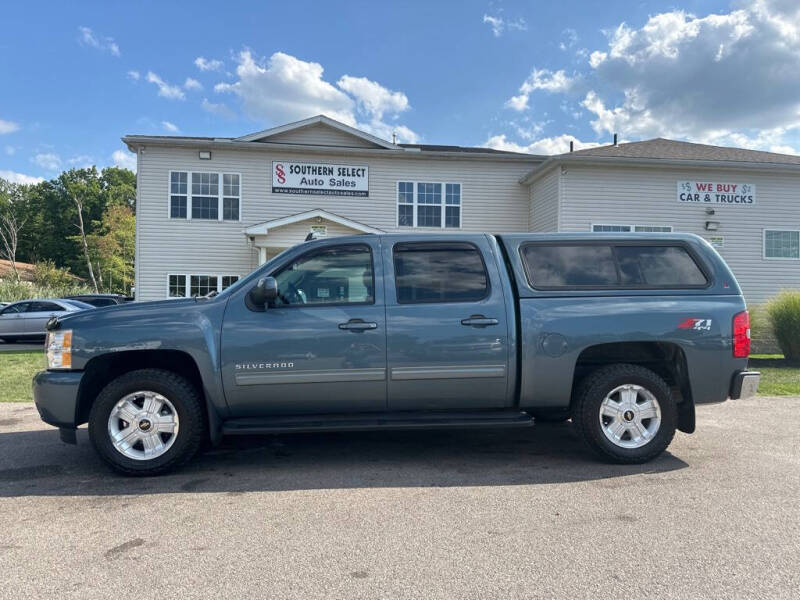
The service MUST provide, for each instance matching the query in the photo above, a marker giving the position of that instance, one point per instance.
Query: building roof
(263, 228)
(661, 151)
(662, 148)
(255, 140)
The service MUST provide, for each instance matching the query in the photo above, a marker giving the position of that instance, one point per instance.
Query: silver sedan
(27, 318)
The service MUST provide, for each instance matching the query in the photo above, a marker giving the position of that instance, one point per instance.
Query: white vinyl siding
(491, 199)
(543, 215)
(647, 196)
(628, 228)
(320, 134)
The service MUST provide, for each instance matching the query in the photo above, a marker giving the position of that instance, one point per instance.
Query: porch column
(262, 255)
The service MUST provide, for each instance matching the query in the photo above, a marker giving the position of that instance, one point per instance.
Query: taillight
(741, 335)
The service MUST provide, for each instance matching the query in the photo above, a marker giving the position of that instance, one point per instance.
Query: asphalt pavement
(467, 514)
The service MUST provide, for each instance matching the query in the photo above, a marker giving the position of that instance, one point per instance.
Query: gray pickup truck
(624, 334)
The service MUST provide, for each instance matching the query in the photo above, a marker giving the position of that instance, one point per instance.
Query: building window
(782, 243)
(177, 195)
(629, 228)
(653, 228)
(230, 197)
(422, 204)
(186, 286)
(229, 280)
(211, 196)
(177, 286)
(611, 228)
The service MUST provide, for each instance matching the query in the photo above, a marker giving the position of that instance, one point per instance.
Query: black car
(100, 299)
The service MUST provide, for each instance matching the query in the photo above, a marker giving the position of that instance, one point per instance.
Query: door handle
(358, 325)
(479, 321)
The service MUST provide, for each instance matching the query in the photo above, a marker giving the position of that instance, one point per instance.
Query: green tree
(113, 248)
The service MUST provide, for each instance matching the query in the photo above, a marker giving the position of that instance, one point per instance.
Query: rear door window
(43, 307)
(623, 266)
(439, 272)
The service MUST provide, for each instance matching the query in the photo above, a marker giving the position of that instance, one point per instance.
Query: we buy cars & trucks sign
(710, 192)
(319, 179)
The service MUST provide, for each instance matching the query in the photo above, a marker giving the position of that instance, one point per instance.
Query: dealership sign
(319, 179)
(709, 192)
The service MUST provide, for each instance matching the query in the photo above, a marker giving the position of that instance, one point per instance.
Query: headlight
(59, 349)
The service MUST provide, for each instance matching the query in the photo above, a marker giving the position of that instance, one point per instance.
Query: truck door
(447, 327)
(321, 347)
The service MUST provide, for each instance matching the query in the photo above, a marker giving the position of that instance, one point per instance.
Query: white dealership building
(209, 210)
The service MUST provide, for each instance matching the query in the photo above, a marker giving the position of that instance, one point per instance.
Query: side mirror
(264, 292)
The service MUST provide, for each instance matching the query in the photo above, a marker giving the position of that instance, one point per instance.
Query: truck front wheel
(625, 413)
(147, 422)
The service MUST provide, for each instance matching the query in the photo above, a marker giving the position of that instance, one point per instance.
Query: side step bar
(377, 421)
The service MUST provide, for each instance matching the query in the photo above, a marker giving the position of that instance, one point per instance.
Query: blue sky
(527, 76)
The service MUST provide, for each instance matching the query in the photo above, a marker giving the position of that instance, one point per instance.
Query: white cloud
(714, 79)
(549, 145)
(372, 97)
(499, 24)
(89, 38)
(165, 90)
(15, 177)
(541, 79)
(124, 159)
(284, 89)
(47, 160)
(10, 150)
(569, 39)
(171, 127)
(8, 127)
(192, 84)
(221, 109)
(134, 75)
(205, 64)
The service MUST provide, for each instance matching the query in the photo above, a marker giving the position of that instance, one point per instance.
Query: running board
(377, 421)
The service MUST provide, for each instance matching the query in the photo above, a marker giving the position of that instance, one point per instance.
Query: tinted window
(439, 272)
(570, 265)
(15, 309)
(342, 274)
(100, 301)
(591, 265)
(658, 266)
(43, 307)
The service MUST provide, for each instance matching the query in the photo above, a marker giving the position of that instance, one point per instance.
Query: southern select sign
(709, 192)
(319, 179)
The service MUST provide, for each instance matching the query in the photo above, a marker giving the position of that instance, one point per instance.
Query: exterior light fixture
(712, 225)
(205, 154)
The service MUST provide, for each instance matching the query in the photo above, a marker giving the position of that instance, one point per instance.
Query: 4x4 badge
(696, 324)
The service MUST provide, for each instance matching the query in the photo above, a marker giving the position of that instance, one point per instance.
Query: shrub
(47, 275)
(11, 291)
(784, 315)
(761, 334)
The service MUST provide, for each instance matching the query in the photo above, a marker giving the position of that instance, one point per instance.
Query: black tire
(188, 406)
(586, 413)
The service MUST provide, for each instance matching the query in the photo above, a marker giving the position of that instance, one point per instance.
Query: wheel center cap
(628, 415)
(145, 424)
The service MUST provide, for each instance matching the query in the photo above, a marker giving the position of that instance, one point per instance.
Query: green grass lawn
(16, 371)
(778, 378)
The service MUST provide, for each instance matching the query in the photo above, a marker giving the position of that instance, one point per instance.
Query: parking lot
(469, 514)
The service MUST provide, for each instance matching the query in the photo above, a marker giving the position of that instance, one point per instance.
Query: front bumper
(745, 385)
(56, 396)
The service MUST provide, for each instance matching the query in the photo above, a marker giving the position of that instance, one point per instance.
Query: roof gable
(263, 228)
(318, 131)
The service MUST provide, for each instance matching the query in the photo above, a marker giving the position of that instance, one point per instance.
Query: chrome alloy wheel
(630, 416)
(143, 425)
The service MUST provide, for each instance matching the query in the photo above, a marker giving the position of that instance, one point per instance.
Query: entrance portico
(273, 237)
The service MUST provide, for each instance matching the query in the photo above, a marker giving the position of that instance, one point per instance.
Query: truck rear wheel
(147, 422)
(625, 413)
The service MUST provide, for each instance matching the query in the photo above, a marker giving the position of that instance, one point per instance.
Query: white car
(27, 318)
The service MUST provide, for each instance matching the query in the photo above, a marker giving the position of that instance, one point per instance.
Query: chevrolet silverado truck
(622, 333)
